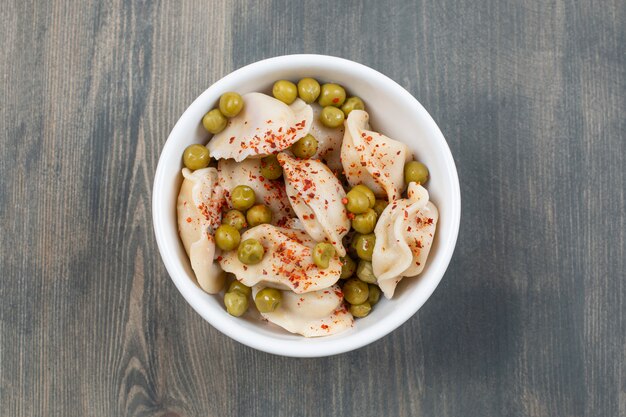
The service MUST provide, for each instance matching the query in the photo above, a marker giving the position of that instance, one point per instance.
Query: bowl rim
(316, 347)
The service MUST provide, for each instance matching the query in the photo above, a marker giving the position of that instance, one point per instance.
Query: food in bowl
(307, 212)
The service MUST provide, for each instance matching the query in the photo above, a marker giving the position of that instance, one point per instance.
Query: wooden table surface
(530, 318)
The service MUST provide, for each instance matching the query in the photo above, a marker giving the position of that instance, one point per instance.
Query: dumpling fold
(314, 314)
(287, 263)
(373, 159)
(199, 209)
(404, 236)
(264, 126)
(315, 195)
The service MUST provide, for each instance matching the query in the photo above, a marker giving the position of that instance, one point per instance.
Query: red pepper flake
(268, 121)
(430, 221)
(188, 219)
(398, 153)
(312, 216)
(351, 216)
(231, 140)
(219, 259)
(344, 201)
(324, 326)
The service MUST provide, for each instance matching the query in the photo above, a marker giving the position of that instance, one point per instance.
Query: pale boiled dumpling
(318, 313)
(199, 208)
(315, 195)
(373, 159)
(264, 126)
(328, 141)
(287, 263)
(404, 236)
(270, 193)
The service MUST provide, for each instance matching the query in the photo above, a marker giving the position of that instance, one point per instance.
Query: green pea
(305, 147)
(250, 252)
(214, 121)
(227, 237)
(238, 286)
(365, 246)
(242, 197)
(353, 103)
(236, 303)
(369, 193)
(348, 266)
(332, 116)
(355, 291)
(374, 294)
(357, 202)
(285, 91)
(308, 89)
(270, 168)
(267, 300)
(259, 214)
(231, 104)
(332, 95)
(235, 218)
(380, 206)
(196, 157)
(365, 272)
(322, 253)
(415, 172)
(365, 222)
(360, 310)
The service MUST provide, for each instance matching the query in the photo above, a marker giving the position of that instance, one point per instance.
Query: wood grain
(530, 319)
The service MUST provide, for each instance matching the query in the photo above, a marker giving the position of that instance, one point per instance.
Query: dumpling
(373, 159)
(318, 313)
(328, 141)
(199, 209)
(270, 193)
(315, 195)
(404, 236)
(264, 126)
(287, 264)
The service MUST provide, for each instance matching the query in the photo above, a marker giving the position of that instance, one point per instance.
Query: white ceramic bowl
(394, 112)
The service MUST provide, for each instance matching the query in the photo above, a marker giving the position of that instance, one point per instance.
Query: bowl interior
(395, 113)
